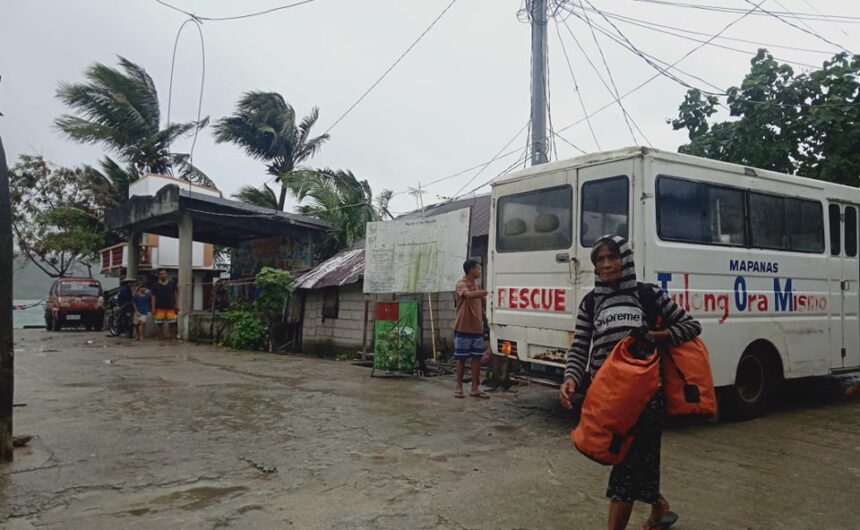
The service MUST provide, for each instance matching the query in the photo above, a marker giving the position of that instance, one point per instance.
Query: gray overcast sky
(452, 103)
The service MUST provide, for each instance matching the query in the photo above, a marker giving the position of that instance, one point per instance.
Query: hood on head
(628, 266)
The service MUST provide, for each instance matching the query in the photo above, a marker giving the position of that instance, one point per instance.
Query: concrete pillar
(133, 254)
(186, 298)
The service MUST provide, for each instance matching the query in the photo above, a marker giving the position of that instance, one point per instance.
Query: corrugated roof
(479, 224)
(342, 269)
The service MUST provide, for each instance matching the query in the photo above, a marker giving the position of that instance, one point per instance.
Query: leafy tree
(119, 109)
(264, 125)
(339, 198)
(55, 219)
(784, 121)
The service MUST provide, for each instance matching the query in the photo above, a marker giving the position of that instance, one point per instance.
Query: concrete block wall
(344, 334)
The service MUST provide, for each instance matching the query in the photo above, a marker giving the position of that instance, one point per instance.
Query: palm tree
(118, 107)
(341, 199)
(264, 197)
(264, 125)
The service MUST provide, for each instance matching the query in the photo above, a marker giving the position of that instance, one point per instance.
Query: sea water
(32, 316)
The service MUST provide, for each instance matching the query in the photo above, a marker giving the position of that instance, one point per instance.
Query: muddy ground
(142, 436)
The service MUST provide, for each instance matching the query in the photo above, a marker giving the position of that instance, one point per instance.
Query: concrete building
(336, 315)
(162, 252)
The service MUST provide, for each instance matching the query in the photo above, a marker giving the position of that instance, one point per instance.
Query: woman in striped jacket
(606, 315)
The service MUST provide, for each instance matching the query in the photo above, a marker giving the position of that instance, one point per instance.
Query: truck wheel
(56, 322)
(747, 398)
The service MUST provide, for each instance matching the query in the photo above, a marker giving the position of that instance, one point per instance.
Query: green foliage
(249, 332)
(55, 215)
(264, 126)
(119, 109)
(342, 200)
(264, 197)
(274, 285)
(788, 122)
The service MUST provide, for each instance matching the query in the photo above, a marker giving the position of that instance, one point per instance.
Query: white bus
(767, 262)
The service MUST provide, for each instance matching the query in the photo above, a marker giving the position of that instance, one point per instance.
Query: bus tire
(758, 371)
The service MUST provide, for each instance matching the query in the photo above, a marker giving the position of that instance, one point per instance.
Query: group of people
(161, 300)
(616, 292)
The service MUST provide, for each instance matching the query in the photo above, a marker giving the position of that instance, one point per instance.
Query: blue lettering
(740, 293)
(776, 268)
(664, 278)
(733, 265)
(784, 300)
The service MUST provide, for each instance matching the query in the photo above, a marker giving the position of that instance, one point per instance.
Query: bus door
(844, 248)
(605, 206)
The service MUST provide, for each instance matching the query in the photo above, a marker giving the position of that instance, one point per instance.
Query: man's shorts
(165, 315)
(140, 319)
(468, 344)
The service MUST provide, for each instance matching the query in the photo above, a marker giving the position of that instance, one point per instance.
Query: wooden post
(432, 329)
(7, 356)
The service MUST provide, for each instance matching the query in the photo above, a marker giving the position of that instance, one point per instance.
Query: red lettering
(559, 300)
(502, 298)
(524, 298)
(762, 303)
(533, 298)
(546, 299)
(723, 303)
(687, 292)
(697, 301)
(710, 302)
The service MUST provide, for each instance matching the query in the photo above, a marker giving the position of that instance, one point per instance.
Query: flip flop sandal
(668, 519)
(459, 395)
(480, 395)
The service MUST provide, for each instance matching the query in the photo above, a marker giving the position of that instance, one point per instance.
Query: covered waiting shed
(190, 216)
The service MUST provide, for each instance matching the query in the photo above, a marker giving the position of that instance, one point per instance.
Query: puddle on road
(197, 498)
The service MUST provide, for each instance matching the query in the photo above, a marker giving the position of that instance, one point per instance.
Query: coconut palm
(264, 126)
(341, 199)
(118, 108)
(264, 196)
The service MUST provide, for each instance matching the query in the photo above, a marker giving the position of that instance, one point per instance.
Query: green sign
(394, 344)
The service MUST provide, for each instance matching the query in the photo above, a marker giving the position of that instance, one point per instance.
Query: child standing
(142, 300)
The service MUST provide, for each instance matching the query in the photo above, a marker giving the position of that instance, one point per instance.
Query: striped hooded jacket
(615, 312)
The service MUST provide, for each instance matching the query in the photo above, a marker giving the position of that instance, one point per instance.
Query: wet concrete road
(133, 436)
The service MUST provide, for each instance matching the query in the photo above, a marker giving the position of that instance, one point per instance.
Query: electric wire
(792, 24)
(237, 17)
(576, 85)
(390, 68)
(202, 82)
(496, 157)
(723, 9)
(614, 89)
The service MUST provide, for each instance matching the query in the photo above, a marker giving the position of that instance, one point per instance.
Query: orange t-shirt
(470, 311)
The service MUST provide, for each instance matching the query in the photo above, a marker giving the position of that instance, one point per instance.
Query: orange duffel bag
(622, 388)
(687, 380)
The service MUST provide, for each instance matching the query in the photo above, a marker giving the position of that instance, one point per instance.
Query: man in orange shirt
(469, 328)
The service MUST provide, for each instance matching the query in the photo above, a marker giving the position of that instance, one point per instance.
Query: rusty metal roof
(479, 224)
(342, 269)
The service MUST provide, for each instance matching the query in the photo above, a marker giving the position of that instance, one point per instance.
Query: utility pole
(538, 17)
(7, 373)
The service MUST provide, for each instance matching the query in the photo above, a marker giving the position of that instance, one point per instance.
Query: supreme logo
(534, 298)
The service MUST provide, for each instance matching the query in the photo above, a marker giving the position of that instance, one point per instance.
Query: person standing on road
(599, 327)
(142, 301)
(124, 301)
(469, 328)
(165, 305)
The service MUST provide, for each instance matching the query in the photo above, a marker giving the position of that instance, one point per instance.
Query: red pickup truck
(75, 302)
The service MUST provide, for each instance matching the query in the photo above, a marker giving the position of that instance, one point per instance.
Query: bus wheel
(747, 398)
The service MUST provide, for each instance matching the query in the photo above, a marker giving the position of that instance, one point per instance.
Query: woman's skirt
(637, 478)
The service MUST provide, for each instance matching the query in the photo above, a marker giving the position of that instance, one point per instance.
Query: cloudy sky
(453, 102)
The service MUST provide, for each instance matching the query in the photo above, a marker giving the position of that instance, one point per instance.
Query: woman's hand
(565, 393)
(659, 336)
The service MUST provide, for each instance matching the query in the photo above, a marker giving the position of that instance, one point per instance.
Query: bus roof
(601, 157)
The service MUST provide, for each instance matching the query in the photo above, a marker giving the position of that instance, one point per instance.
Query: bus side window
(835, 230)
(605, 209)
(850, 231)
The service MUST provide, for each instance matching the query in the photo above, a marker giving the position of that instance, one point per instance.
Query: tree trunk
(283, 198)
(7, 374)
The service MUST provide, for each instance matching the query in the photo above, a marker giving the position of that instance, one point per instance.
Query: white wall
(150, 184)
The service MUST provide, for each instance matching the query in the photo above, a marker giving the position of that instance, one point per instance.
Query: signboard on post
(423, 255)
